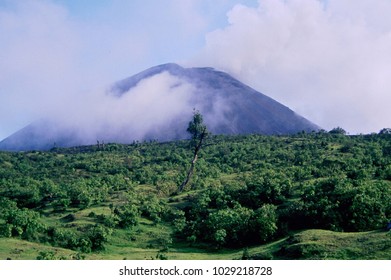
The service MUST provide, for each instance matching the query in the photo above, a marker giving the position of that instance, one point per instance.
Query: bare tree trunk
(191, 169)
(189, 173)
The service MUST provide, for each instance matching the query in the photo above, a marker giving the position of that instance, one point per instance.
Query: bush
(336, 204)
(22, 223)
(46, 255)
(127, 215)
(228, 226)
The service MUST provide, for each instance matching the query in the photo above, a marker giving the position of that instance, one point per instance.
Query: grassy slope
(308, 244)
(323, 244)
(143, 241)
(16, 249)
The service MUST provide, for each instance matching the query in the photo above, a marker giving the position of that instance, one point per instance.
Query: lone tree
(338, 130)
(199, 133)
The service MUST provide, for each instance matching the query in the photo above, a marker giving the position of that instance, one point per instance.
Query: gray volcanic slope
(229, 107)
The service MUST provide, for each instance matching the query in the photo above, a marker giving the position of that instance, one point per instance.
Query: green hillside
(307, 196)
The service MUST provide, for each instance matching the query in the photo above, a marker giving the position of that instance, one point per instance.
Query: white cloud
(329, 62)
(153, 103)
(37, 51)
(49, 57)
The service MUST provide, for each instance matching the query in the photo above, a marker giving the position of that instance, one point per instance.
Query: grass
(137, 173)
(145, 242)
(16, 249)
(323, 244)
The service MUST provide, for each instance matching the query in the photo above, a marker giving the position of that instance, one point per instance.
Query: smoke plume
(327, 60)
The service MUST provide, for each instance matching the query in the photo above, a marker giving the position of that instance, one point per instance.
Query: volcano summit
(157, 104)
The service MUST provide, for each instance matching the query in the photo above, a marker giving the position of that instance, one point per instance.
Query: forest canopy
(244, 190)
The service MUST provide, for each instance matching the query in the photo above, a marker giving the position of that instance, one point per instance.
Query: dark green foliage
(97, 235)
(339, 204)
(246, 190)
(65, 238)
(266, 186)
(46, 255)
(218, 217)
(126, 215)
(17, 222)
(264, 222)
(153, 208)
(338, 130)
(199, 134)
(197, 130)
(91, 238)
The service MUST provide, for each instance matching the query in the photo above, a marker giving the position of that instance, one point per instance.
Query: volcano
(229, 107)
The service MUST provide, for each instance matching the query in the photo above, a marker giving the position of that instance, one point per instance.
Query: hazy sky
(328, 61)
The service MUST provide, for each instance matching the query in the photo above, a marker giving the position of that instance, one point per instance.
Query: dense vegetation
(246, 191)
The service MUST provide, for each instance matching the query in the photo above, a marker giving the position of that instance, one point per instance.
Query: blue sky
(326, 62)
